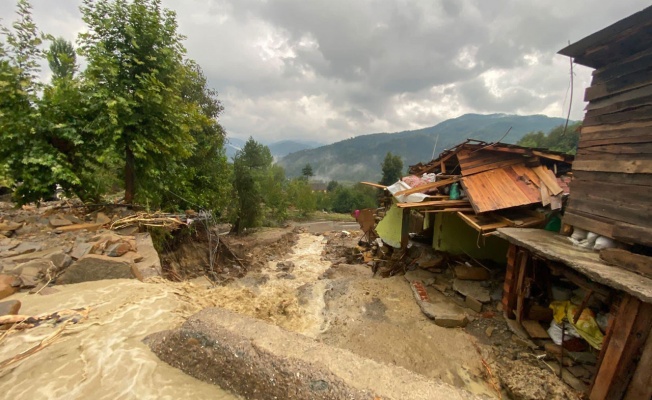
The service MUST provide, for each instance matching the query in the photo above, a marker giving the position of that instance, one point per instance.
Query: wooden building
(609, 195)
(612, 185)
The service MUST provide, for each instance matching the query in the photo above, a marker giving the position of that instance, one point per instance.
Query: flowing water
(101, 357)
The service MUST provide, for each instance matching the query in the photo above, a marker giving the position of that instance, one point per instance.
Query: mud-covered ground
(316, 284)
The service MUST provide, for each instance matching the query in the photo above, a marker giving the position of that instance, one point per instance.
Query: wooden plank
(613, 178)
(632, 233)
(640, 387)
(589, 142)
(550, 156)
(635, 62)
(526, 171)
(526, 186)
(78, 227)
(534, 329)
(588, 222)
(467, 209)
(440, 203)
(427, 186)
(622, 327)
(625, 83)
(633, 213)
(625, 194)
(545, 195)
(618, 129)
(491, 166)
(548, 178)
(405, 229)
(520, 290)
(376, 185)
(637, 263)
(509, 291)
(632, 350)
(639, 147)
(643, 113)
(627, 167)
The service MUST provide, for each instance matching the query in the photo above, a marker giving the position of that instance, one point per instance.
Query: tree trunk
(130, 175)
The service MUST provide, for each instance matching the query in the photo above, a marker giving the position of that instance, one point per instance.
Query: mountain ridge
(359, 158)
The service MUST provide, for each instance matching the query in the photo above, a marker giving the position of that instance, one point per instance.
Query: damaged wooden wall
(613, 167)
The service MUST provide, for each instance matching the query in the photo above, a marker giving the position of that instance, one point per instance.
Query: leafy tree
(332, 185)
(62, 59)
(202, 180)
(555, 140)
(24, 151)
(301, 196)
(250, 167)
(392, 168)
(355, 198)
(306, 172)
(136, 74)
(274, 192)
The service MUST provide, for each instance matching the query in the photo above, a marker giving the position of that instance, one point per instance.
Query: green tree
(24, 152)
(306, 172)
(136, 74)
(301, 196)
(332, 185)
(274, 192)
(392, 168)
(62, 59)
(555, 140)
(250, 167)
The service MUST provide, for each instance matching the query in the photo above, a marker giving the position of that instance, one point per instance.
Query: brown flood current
(101, 357)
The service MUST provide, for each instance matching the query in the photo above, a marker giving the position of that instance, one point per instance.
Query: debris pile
(54, 244)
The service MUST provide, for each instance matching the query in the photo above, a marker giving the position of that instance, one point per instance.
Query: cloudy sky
(328, 70)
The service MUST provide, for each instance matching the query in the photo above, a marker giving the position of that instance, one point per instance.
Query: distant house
(318, 186)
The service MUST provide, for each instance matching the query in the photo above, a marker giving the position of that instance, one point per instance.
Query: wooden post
(509, 286)
(520, 289)
(405, 228)
(630, 330)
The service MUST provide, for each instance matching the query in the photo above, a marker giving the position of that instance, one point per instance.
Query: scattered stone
(463, 271)
(451, 321)
(285, 266)
(61, 260)
(80, 250)
(285, 275)
(578, 371)
(9, 307)
(472, 289)
(9, 226)
(133, 257)
(8, 285)
(127, 231)
(489, 331)
(94, 267)
(117, 249)
(583, 357)
(499, 307)
(473, 304)
(102, 219)
(56, 222)
(27, 247)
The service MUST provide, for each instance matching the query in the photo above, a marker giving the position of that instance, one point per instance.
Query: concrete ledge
(261, 361)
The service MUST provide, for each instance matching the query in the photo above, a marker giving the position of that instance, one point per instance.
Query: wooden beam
(549, 156)
(582, 306)
(627, 167)
(637, 263)
(632, 233)
(546, 176)
(405, 229)
(376, 185)
(520, 290)
(427, 186)
(441, 203)
(640, 387)
(449, 210)
(631, 328)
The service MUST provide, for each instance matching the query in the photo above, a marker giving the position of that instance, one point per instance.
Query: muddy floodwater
(101, 357)
(344, 306)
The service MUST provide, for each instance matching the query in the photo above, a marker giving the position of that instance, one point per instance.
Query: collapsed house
(592, 289)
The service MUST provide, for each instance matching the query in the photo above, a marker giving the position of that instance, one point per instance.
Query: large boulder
(258, 360)
(94, 267)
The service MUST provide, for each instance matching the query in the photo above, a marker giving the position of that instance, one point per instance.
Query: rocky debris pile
(41, 247)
